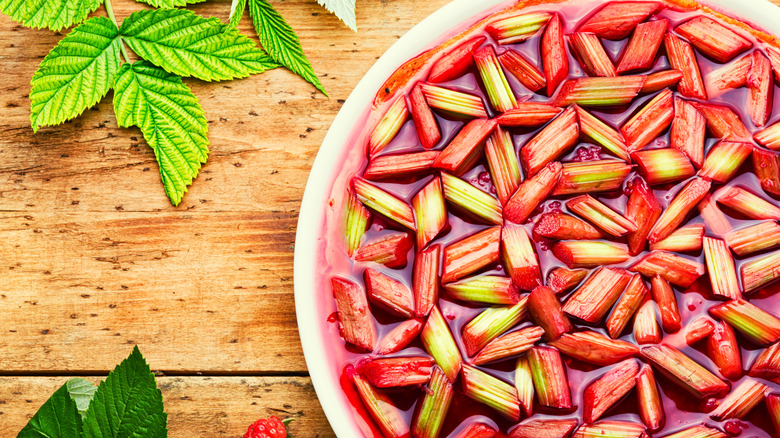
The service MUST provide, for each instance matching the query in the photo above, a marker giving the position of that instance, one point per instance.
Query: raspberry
(266, 428)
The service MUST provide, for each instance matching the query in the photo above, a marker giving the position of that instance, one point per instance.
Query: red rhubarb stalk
(518, 27)
(487, 289)
(531, 193)
(651, 408)
(632, 297)
(389, 293)
(466, 148)
(397, 371)
(388, 126)
(689, 129)
(724, 351)
(490, 324)
(721, 269)
(591, 55)
(682, 58)
(430, 212)
(684, 201)
(644, 210)
(384, 203)
(425, 280)
(713, 39)
(510, 344)
(545, 310)
(664, 298)
(766, 166)
(749, 240)
(592, 177)
(502, 162)
(601, 215)
(561, 226)
(433, 408)
(355, 321)
(389, 250)
(455, 62)
(603, 134)
(687, 238)
(684, 371)
(675, 269)
(595, 297)
(662, 166)
(643, 46)
(551, 142)
(523, 70)
(549, 376)
(747, 395)
(399, 337)
(424, 120)
(471, 254)
(491, 391)
(724, 160)
(555, 61)
(594, 348)
(646, 329)
(389, 419)
(756, 324)
(562, 280)
(399, 166)
(590, 253)
(617, 19)
(439, 343)
(520, 259)
(650, 121)
(607, 390)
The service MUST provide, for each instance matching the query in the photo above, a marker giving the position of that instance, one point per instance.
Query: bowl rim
(761, 14)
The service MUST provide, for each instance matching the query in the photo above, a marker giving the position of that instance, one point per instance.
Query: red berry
(270, 428)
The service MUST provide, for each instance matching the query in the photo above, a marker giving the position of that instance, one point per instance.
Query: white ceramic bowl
(334, 155)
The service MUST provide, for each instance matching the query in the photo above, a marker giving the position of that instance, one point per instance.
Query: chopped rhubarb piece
(388, 126)
(661, 166)
(682, 58)
(646, 329)
(488, 289)
(549, 376)
(617, 19)
(400, 166)
(510, 344)
(544, 428)
(503, 164)
(597, 295)
(455, 62)
(465, 149)
(723, 349)
(397, 371)
(453, 102)
(651, 409)
(425, 279)
(767, 364)
(724, 159)
(689, 129)
(700, 431)
(590, 253)
(747, 203)
(720, 266)
(355, 321)
(601, 215)
(650, 121)
(591, 55)
(760, 272)
(476, 429)
(592, 177)
(756, 324)
(661, 79)
(677, 270)
(664, 298)
(399, 337)
(390, 250)
(439, 343)
(728, 77)
(490, 324)
(723, 121)
(685, 239)
(607, 390)
(684, 371)
(561, 226)
(517, 28)
(774, 58)
(746, 241)
(698, 330)
(611, 429)
(600, 91)
(643, 46)
(643, 209)
(524, 384)
(471, 254)
(551, 142)
(714, 219)
(469, 199)
(523, 70)
(423, 118)
(499, 93)
(562, 280)
(520, 259)
(741, 400)
(683, 203)
(594, 348)
(528, 114)
(766, 166)
(713, 39)
(491, 391)
(389, 419)
(545, 310)
(531, 193)
(632, 297)
(769, 137)
(603, 134)
(433, 408)
(356, 218)
(430, 213)
(555, 61)
(389, 293)
(773, 400)
(384, 203)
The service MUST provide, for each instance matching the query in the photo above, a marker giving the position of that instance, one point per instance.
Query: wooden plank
(196, 406)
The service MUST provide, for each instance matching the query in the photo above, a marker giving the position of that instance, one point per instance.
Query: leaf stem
(110, 12)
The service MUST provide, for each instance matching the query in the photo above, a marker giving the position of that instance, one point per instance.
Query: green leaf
(236, 12)
(54, 14)
(187, 44)
(170, 3)
(76, 74)
(344, 9)
(127, 404)
(58, 417)
(170, 118)
(81, 391)
(280, 41)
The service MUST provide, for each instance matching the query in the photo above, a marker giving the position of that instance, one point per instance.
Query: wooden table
(95, 260)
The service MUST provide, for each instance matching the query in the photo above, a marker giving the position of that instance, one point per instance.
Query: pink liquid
(680, 408)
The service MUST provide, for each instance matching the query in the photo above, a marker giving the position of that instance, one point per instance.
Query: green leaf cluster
(126, 404)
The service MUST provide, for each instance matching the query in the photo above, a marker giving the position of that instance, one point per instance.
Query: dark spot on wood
(252, 113)
(45, 332)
